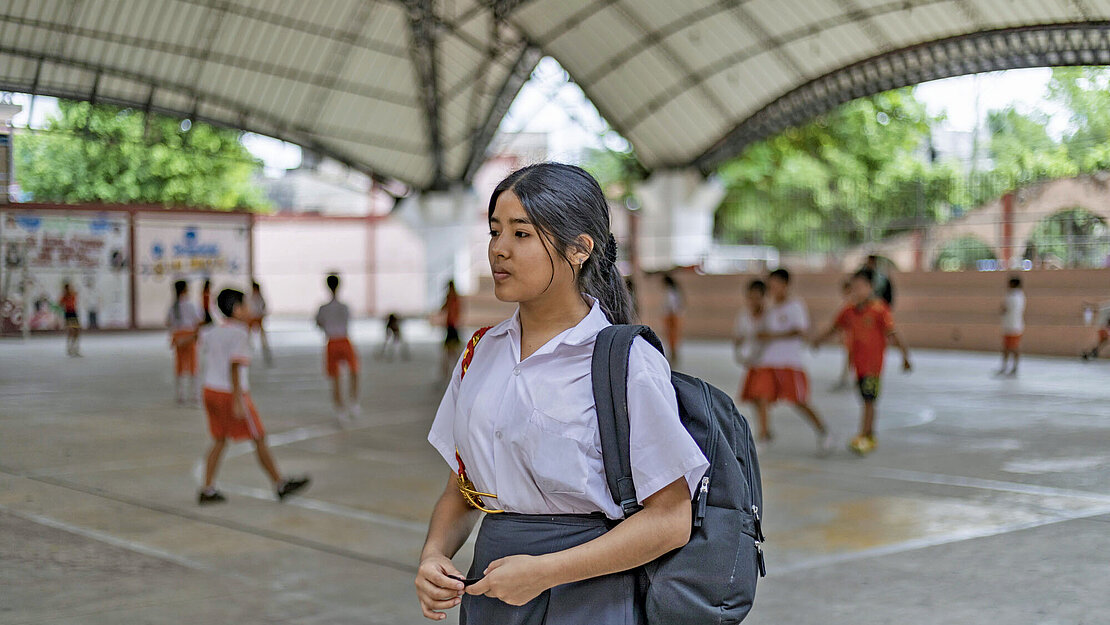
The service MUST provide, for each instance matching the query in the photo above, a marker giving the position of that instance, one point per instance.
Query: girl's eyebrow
(514, 220)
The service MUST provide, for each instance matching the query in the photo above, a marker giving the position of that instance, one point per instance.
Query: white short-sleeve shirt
(1013, 320)
(746, 329)
(333, 318)
(222, 345)
(186, 317)
(527, 431)
(785, 353)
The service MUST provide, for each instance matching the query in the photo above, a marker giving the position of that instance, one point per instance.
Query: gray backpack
(712, 579)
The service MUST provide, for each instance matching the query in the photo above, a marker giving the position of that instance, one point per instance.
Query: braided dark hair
(564, 202)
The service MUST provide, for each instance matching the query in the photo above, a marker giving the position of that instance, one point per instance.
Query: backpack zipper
(702, 498)
(759, 537)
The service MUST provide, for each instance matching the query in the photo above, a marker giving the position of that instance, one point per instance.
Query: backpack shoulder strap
(610, 386)
(468, 353)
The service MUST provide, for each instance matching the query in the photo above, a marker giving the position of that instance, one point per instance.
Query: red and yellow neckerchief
(466, 487)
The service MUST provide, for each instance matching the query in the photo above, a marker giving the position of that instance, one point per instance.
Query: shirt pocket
(557, 452)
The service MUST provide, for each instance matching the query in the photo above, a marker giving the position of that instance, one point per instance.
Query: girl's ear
(585, 248)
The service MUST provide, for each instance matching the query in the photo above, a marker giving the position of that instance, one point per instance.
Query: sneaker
(824, 444)
(291, 485)
(354, 411)
(862, 445)
(209, 497)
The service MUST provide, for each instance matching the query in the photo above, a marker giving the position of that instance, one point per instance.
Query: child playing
(746, 347)
(256, 307)
(844, 381)
(394, 339)
(1013, 324)
(183, 319)
(227, 399)
(452, 344)
(1103, 339)
(868, 323)
(68, 303)
(333, 318)
(779, 374)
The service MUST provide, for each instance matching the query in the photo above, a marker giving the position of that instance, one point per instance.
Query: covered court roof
(415, 89)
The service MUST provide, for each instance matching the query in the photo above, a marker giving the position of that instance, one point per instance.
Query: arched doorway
(1073, 238)
(963, 253)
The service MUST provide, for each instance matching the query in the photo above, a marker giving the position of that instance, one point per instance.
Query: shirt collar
(585, 331)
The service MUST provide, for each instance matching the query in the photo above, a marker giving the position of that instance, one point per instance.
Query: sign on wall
(187, 247)
(42, 250)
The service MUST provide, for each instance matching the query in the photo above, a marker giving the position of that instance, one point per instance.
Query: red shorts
(340, 350)
(185, 352)
(1011, 342)
(775, 384)
(1103, 334)
(222, 422)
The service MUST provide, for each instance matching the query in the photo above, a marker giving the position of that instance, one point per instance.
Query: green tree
(616, 172)
(856, 173)
(1085, 92)
(97, 153)
(1022, 149)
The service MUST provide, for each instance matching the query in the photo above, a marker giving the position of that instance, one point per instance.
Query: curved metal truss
(1010, 48)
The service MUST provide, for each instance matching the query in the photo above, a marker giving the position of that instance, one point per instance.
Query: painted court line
(942, 479)
(922, 543)
(230, 524)
(329, 508)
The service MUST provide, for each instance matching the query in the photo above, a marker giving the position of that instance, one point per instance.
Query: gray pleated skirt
(607, 600)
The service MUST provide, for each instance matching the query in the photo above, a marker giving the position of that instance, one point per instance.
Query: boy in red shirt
(227, 398)
(68, 302)
(868, 324)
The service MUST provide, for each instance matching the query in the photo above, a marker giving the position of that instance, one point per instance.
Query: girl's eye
(493, 233)
(521, 234)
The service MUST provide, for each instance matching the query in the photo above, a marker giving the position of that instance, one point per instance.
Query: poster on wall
(42, 250)
(193, 248)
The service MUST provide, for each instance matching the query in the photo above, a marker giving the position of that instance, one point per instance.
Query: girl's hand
(516, 580)
(435, 590)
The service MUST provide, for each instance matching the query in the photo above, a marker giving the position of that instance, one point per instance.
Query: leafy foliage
(857, 172)
(97, 153)
(864, 171)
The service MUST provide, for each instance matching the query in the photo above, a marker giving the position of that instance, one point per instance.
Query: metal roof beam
(423, 26)
(199, 53)
(479, 144)
(1011, 48)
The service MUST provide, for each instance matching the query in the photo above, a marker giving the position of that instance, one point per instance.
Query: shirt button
(516, 371)
(498, 435)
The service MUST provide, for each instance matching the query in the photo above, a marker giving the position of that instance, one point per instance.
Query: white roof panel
(684, 81)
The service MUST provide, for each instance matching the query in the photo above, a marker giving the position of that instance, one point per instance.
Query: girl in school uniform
(518, 428)
(183, 319)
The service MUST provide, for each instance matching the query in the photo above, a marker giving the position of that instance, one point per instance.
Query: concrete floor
(987, 499)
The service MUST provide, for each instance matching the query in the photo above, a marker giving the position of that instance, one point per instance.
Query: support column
(675, 224)
(7, 112)
(1007, 238)
(448, 223)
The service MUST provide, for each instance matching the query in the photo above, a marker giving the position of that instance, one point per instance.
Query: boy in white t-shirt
(746, 347)
(333, 318)
(227, 398)
(1013, 325)
(779, 374)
